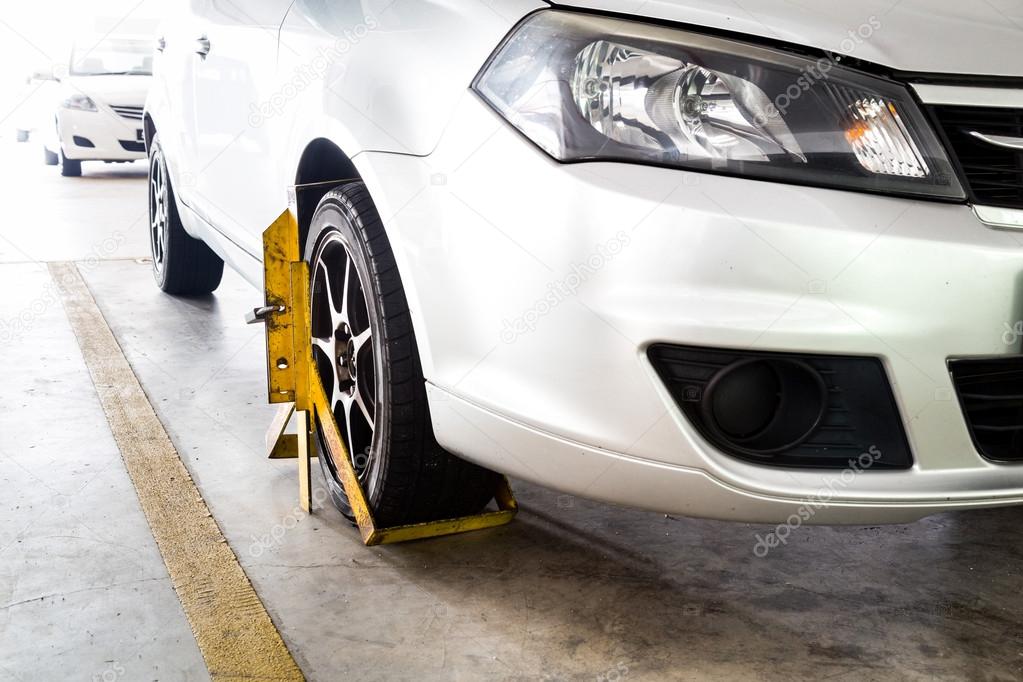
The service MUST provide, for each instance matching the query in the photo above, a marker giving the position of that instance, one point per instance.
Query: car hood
(117, 90)
(936, 36)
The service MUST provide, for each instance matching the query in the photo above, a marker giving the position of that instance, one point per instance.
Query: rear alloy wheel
(365, 353)
(182, 265)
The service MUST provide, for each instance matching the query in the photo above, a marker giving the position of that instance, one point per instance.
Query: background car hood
(120, 90)
(936, 36)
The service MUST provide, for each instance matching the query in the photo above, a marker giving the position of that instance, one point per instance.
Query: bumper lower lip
(621, 478)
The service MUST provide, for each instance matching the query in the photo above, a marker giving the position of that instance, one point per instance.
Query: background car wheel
(182, 265)
(70, 168)
(50, 158)
(21, 135)
(366, 355)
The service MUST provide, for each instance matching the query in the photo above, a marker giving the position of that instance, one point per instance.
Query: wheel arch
(148, 129)
(322, 166)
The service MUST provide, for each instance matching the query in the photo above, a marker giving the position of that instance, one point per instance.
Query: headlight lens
(595, 88)
(80, 102)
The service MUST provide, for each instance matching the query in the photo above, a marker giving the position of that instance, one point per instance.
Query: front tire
(70, 168)
(182, 265)
(366, 356)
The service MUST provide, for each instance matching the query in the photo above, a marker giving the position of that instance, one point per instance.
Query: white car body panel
(230, 168)
(482, 222)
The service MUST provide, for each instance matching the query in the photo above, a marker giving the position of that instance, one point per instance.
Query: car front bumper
(114, 137)
(536, 288)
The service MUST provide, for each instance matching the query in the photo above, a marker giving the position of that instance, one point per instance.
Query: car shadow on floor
(114, 171)
(586, 589)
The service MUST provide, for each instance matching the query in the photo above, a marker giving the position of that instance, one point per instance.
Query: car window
(113, 56)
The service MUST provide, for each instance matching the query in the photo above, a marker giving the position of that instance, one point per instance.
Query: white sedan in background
(100, 98)
(664, 254)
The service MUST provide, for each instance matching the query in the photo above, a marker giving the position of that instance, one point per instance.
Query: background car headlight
(80, 102)
(595, 88)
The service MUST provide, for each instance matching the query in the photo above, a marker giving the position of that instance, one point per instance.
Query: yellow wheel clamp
(292, 379)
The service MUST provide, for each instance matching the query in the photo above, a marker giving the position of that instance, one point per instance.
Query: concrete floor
(571, 590)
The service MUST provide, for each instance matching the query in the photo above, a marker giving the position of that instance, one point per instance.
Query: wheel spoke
(336, 315)
(347, 403)
(345, 292)
(363, 407)
(326, 346)
(360, 340)
(339, 397)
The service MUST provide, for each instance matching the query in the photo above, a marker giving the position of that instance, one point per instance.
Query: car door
(171, 98)
(234, 73)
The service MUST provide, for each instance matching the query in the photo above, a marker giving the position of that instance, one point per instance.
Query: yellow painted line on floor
(234, 632)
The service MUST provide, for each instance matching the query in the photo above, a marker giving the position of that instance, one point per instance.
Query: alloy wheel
(158, 209)
(343, 348)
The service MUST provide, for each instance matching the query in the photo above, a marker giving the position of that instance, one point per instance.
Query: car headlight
(80, 102)
(588, 88)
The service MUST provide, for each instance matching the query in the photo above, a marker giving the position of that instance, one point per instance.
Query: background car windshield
(113, 56)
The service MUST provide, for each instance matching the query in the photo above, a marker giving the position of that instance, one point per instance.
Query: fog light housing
(765, 406)
(785, 409)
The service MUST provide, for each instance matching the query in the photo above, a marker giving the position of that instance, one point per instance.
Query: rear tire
(182, 265)
(366, 355)
(50, 158)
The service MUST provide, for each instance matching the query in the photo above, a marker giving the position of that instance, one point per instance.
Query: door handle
(202, 46)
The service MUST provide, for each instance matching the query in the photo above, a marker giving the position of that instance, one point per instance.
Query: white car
(754, 265)
(99, 104)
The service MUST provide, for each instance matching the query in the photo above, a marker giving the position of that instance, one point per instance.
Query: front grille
(991, 394)
(994, 174)
(132, 146)
(133, 113)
